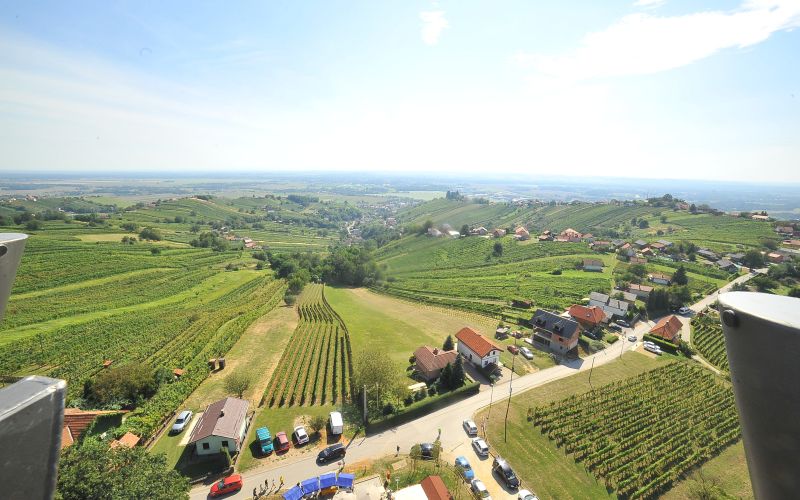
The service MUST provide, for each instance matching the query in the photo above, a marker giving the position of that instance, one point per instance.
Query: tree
(126, 385)
(753, 259)
(497, 249)
(448, 345)
(795, 292)
(465, 230)
(155, 251)
(289, 299)
(427, 225)
(693, 208)
(458, 373)
(446, 376)
(317, 423)
(33, 225)
(373, 369)
(94, 470)
(643, 224)
(237, 383)
(680, 278)
(151, 234)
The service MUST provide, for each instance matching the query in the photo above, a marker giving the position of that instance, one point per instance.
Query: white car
(632, 338)
(470, 428)
(181, 421)
(526, 352)
(653, 348)
(684, 311)
(300, 434)
(479, 489)
(526, 495)
(480, 446)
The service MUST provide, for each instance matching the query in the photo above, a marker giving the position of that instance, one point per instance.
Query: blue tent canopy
(310, 485)
(294, 493)
(345, 481)
(327, 480)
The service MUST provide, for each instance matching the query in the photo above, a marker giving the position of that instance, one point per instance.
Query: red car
(513, 349)
(283, 441)
(227, 485)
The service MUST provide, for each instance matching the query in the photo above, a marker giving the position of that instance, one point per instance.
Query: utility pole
(491, 398)
(510, 384)
(364, 398)
(590, 373)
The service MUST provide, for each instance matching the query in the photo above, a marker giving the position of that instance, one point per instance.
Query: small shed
(107, 363)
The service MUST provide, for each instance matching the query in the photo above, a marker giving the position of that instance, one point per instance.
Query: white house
(223, 425)
(476, 348)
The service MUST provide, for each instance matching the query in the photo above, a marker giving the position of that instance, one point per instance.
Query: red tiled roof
(476, 342)
(429, 361)
(76, 422)
(434, 488)
(129, 439)
(593, 314)
(667, 328)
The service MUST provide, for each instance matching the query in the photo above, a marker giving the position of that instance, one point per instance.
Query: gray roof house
(223, 425)
(554, 332)
(612, 307)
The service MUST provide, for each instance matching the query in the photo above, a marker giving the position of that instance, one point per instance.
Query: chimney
(222, 412)
(435, 351)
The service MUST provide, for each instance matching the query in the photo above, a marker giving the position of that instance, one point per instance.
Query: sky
(636, 88)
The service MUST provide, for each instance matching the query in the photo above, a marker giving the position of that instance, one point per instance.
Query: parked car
(479, 489)
(623, 323)
(300, 435)
(502, 469)
(632, 338)
(480, 446)
(426, 451)
(226, 485)
(684, 310)
(336, 423)
(470, 428)
(615, 327)
(332, 452)
(653, 348)
(526, 495)
(180, 423)
(264, 440)
(283, 441)
(513, 349)
(463, 466)
(526, 352)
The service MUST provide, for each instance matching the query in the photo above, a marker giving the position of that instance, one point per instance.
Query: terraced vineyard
(659, 424)
(316, 367)
(708, 339)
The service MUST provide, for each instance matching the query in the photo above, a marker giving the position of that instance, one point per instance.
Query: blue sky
(639, 88)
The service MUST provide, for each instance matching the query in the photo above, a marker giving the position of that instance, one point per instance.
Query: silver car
(180, 422)
(300, 434)
(526, 352)
(479, 489)
(480, 446)
(470, 428)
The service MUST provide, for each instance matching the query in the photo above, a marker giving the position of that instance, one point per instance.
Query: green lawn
(728, 470)
(543, 467)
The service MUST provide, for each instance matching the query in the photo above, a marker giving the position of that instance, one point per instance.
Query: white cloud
(433, 23)
(649, 4)
(643, 43)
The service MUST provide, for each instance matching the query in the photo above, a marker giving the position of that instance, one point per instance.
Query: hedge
(424, 407)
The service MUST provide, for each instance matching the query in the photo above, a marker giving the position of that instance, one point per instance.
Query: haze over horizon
(644, 89)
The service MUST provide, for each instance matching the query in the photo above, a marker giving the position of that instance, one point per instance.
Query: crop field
(708, 339)
(465, 274)
(316, 366)
(622, 427)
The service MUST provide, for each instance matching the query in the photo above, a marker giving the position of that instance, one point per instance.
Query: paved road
(448, 420)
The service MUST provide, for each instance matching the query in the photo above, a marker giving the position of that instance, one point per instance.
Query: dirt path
(256, 353)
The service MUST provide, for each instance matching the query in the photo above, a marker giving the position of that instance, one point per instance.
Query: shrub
(431, 390)
(419, 395)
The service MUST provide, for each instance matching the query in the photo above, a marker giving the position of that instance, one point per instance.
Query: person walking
(281, 481)
(398, 451)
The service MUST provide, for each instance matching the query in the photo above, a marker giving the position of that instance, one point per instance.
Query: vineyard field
(316, 366)
(708, 339)
(621, 427)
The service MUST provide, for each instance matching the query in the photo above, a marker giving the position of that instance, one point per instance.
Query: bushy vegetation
(619, 428)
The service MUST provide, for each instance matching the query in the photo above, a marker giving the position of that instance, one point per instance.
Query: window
(225, 444)
(206, 446)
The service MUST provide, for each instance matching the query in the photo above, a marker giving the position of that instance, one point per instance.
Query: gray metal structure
(762, 338)
(31, 410)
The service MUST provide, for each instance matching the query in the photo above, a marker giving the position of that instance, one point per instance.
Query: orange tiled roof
(476, 342)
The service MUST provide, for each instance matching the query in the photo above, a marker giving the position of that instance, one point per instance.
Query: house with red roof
(429, 361)
(476, 348)
(668, 328)
(588, 317)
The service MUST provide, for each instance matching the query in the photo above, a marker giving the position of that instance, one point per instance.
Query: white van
(337, 425)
